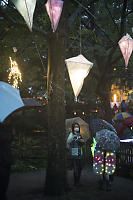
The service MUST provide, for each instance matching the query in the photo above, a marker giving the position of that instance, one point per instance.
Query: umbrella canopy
(10, 100)
(122, 115)
(125, 128)
(84, 127)
(108, 140)
(128, 121)
(98, 124)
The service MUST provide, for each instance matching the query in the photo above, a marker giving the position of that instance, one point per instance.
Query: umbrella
(125, 128)
(84, 127)
(98, 124)
(128, 121)
(107, 140)
(122, 115)
(10, 100)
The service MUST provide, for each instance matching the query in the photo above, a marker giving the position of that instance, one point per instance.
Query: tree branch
(73, 16)
(85, 9)
(111, 15)
(130, 12)
(123, 17)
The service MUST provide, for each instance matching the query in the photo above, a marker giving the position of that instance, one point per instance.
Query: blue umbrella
(10, 100)
(98, 124)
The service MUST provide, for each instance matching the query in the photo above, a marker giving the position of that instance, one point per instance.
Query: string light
(99, 167)
(110, 160)
(15, 74)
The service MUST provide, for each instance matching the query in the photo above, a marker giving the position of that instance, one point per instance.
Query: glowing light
(115, 97)
(78, 68)
(74, 113)
(15, 74)
(14, 49)
(127, 140)
(93, 146)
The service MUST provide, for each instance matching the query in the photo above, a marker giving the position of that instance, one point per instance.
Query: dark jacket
(5, 151)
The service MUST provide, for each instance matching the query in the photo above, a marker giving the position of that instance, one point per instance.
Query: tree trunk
(103, 90)
(55, 183)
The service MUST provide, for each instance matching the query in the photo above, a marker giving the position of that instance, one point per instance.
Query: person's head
(75, 128)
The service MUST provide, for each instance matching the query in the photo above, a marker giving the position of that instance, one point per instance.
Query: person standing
(74, 144)
(5, 160)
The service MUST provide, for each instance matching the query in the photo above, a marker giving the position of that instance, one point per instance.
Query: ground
(29, 186)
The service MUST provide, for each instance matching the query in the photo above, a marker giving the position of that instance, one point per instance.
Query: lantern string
(80, 44)
(39, 55)
(85, 9)
(32, 35)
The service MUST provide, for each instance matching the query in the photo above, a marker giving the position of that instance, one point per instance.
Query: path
(29, 186)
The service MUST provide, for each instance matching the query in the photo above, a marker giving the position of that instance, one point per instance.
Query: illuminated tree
(15, 74)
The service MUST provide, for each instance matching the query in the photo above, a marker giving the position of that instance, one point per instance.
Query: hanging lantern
(126, 46)
(26, 9)
(78, 68)
(54, 9)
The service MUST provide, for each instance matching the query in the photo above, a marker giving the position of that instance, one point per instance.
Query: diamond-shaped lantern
(78, 68)
(54, 9)
(126, 46)
(26, 9)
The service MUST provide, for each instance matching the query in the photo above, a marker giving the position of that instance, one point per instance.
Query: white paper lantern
(26, 9)
(78, 68)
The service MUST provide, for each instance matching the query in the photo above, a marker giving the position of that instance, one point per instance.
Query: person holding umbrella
(104, 162)
(104, 154)
(74, 144)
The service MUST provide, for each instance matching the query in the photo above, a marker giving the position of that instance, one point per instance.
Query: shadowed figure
(5, 160)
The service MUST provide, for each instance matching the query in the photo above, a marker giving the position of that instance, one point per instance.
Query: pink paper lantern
(126, 46)
(54, 9)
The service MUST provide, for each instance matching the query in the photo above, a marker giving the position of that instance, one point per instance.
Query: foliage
(97, 36)
(29, 151)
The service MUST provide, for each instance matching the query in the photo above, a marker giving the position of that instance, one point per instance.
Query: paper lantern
(78, 68)
(126, 46)
(26, 9)
(54, 9)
